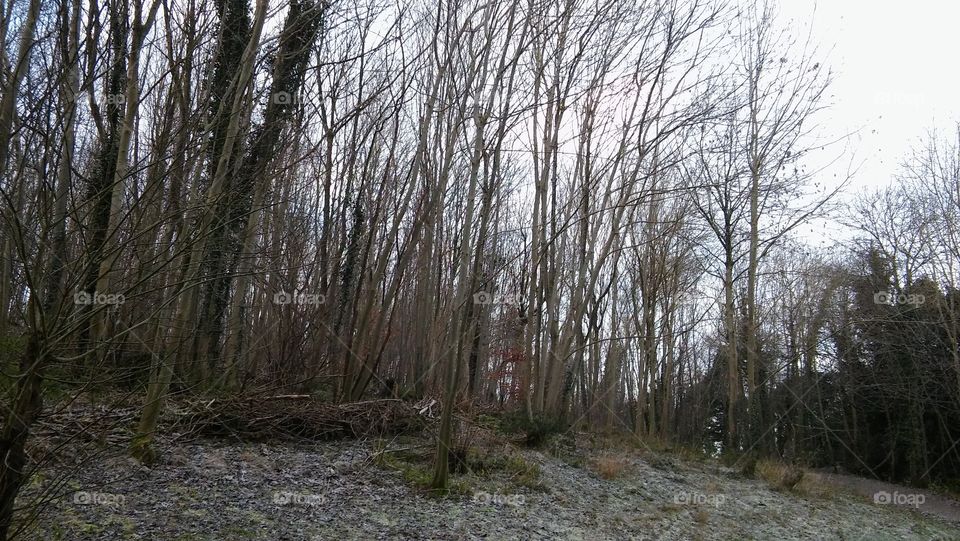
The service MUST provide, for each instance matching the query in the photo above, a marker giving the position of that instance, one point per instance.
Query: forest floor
(371, 488)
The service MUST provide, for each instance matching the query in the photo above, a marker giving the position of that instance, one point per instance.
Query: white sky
(896, 76)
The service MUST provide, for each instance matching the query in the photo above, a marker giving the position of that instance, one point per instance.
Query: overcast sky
(896, 76)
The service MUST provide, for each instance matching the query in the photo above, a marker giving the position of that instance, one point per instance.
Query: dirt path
(883, 493)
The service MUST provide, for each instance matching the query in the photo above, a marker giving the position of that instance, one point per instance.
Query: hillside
(575, 486)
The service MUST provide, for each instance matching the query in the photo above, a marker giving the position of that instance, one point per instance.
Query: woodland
(586, 214)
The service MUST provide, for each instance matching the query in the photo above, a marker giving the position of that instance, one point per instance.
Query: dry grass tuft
(812, 485)
(780, 476)
(610, 467)
(701, 516)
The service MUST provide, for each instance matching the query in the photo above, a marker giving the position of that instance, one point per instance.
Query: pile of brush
(297, 417)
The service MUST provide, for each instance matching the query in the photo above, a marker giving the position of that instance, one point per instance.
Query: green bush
(11, 348)
(537, 430)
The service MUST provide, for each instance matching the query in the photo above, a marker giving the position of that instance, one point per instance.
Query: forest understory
(361, 473)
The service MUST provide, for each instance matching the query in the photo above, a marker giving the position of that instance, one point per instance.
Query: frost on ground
(347, 490)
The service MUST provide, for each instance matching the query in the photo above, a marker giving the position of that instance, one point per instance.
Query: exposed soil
(926, 501)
